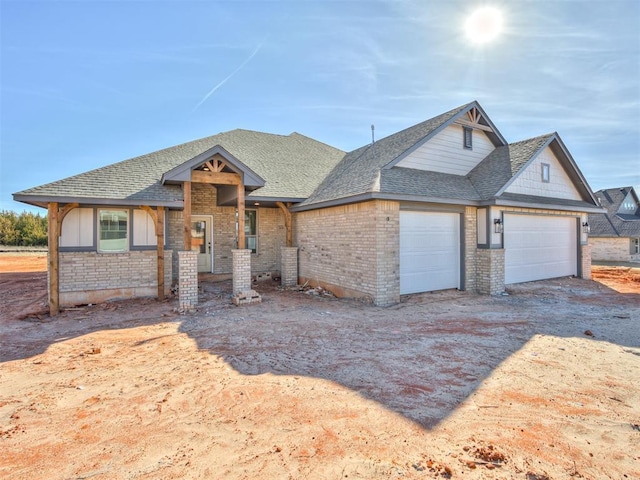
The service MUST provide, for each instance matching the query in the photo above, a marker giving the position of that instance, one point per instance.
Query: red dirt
(443, 385)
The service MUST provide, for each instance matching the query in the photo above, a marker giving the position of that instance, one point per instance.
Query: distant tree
(26, 229)
(9, 234)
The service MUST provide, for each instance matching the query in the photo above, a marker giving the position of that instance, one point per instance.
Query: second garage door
(429, 251)
(538, 247)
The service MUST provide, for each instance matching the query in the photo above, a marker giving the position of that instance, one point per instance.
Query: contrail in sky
(228, 77)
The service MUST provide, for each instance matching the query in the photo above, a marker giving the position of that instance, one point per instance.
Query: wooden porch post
(241, 242)
(187, 215)
(160, 250)
(54, 272)
(288, 223)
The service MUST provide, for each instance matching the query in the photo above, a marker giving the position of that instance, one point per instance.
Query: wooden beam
(215, 178)
(54, 261)
(159, 222)
(241, 242)
(288, 223)
(62, 212)
(477, 126)
(186, 214)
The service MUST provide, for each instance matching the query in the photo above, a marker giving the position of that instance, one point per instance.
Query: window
(546, 172)
(251, 230)
(467, 137)
(113, 231)
(635, 246)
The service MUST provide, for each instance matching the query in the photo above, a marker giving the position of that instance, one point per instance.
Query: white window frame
(101, 247)
(247, 236)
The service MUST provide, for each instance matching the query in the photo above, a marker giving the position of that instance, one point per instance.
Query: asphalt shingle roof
(501, 165)
(359, 170)
(298, 167)
(612, 224)
(292, 167)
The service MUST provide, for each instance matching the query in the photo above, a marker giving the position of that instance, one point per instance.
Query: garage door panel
(539, 247)
(429, 251)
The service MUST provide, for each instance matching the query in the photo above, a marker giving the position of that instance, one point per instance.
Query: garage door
(429, 251)
(539, 247)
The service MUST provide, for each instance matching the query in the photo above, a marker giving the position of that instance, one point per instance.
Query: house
(447, 203)
(615, 234)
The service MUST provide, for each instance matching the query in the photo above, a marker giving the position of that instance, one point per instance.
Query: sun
(483, 25)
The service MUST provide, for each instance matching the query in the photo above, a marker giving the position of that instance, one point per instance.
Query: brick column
(470, 248)
(187, 280)
(490, 271)
(586, 261)
(289, 266)
(241, 270)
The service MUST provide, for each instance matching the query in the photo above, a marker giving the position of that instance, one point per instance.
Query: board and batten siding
(144, 229)
(77, 228)
(529, 182)
(445, 152)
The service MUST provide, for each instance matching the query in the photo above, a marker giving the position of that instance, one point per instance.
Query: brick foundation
(586, 262)
(289, 266)
(490, 271)
(187, 280)
(241, 270)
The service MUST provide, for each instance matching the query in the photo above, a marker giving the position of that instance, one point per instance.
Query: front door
(201, 241)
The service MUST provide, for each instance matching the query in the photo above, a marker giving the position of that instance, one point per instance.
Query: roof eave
(43, 200)
(539, 205)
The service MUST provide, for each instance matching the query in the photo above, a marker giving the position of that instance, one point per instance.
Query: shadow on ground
(420, 358)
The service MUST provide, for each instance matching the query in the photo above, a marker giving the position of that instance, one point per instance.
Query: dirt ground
(538, 384)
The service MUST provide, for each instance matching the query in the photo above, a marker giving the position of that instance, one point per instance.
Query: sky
(87, 83)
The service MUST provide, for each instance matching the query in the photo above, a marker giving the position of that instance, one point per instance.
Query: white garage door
(539, 247)
(429, 251)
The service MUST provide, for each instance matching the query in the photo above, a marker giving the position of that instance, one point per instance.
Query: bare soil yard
(538, 384)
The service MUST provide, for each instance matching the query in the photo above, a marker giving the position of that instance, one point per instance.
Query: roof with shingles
(613, 224)
(299, 168)
(292, 167)
(501, 165)
(359, 170)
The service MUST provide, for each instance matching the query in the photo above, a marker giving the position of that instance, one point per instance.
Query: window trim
(467, 138)
(127, 230)
(247, 236)
(545, 172)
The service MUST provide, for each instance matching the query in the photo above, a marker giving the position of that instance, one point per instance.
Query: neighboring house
(615, 235)
(447, 203)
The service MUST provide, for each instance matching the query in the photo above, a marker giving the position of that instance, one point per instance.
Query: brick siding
(490, 271)
(610, 249)
(187, 280)
(241, 271)
(289, 264)
(271, 232)
(470, 233)
(354, 247)
(91, 277)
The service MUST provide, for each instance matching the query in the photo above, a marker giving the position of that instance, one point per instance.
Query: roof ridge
(315, 140)
(416, 125)
(538, 137)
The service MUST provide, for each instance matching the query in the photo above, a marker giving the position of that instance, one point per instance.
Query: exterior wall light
(498, 226)
(586, 228)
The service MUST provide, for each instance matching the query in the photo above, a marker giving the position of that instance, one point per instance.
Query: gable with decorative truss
(455, 149)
